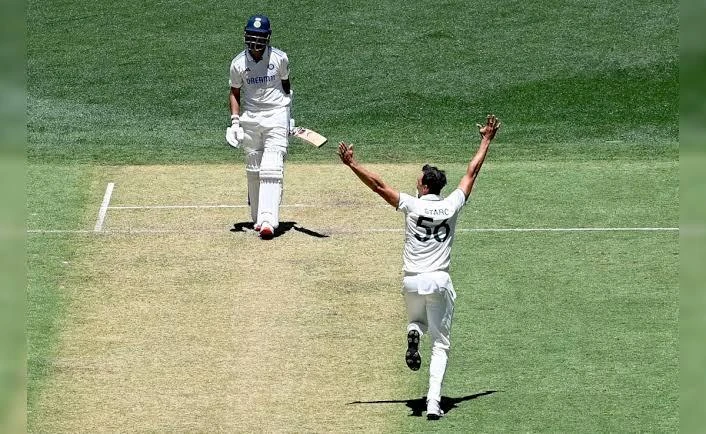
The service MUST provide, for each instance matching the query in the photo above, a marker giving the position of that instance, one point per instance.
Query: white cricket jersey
(430, 228)
(260, 83)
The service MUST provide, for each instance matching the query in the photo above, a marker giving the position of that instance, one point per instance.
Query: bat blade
(310, 136)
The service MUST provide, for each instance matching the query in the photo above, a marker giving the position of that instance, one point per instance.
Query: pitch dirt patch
(185, 326)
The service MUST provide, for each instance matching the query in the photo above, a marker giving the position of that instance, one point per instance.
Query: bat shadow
(283, 228)
(419, 405)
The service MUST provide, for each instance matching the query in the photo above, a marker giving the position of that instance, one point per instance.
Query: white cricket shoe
(434, 411)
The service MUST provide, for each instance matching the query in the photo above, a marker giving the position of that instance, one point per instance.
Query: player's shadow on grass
(283, 228)
(419, 405)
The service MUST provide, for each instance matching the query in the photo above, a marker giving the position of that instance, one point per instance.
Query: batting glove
(234, 133)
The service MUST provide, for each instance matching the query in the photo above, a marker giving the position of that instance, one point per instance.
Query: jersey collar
(431, 197)
(265, 55)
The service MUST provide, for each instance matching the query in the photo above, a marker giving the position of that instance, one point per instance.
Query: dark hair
(433, 178)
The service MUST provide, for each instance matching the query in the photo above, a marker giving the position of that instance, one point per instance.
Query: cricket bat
(309, 136)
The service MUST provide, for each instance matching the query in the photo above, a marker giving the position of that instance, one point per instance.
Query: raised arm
(487, 133)
(372, 180)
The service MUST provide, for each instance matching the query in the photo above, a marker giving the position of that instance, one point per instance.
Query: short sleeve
(457, 199)
(236, 80)
(405, 202)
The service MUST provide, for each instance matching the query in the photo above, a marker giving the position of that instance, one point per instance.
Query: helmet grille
(256, 41)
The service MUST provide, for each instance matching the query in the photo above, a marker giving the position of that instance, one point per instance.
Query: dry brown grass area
(220, 331)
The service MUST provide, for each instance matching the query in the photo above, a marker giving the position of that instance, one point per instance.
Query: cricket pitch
(179, 324)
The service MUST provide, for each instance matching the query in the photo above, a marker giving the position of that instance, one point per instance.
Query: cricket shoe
(412, 357)
(434, 411)
(267, 232)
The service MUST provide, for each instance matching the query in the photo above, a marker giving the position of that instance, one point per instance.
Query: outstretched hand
(345, 153)
(492, 125)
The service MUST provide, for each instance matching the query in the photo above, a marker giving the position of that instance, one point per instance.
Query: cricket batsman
(260, 100)
(430, 226)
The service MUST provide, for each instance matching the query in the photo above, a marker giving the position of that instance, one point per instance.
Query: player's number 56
(429, 229)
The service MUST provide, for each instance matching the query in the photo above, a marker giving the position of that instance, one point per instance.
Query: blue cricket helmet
(257, 32)
(258, 24)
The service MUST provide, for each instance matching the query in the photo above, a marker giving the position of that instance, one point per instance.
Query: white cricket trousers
(432, 313)
(265, 145)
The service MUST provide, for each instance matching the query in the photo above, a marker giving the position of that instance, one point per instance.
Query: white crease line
(352, 231)
(566, 229)
(295, 205)
(347, 231)
(104, 207)
(60, 231)
(176, 206)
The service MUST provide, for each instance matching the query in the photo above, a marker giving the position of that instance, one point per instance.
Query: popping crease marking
(103, 210)
(348, 231)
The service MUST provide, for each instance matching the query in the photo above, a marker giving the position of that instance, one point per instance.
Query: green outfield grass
(126, 82)
(570, 331)
(57, 197)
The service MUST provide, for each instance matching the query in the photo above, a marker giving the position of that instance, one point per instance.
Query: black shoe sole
(433, 416)
(412, 357)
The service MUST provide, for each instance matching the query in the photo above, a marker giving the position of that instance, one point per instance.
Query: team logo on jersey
(271, 66)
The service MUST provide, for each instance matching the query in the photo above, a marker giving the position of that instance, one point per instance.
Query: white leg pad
(271, 176)
(252, 170)
(253, 192)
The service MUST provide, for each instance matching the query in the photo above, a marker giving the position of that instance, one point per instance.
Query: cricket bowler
(430, 225)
